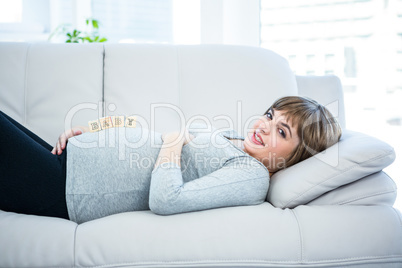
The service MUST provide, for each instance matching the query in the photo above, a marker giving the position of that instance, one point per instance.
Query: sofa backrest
(50, 87)
(187, 83)
(42, 84)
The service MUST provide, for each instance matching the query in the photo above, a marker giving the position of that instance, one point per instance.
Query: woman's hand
(172, 146)
(188, 137)
(175, 137)
(62, 141)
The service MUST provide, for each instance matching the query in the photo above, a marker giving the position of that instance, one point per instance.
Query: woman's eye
(282, 133)
(269, 115)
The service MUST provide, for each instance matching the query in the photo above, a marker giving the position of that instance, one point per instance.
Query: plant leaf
(95, 24)
(87, 39)
(76, 36)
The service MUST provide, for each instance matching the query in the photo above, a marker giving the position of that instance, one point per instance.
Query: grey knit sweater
(112, 171)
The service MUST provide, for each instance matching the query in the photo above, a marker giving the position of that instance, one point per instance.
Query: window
(145, 21)
(24, 20)
(329, 64)
(135, 20)
(310, 64)
(350, 62)
(10, 11)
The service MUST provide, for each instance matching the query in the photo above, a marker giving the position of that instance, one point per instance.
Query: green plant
(76, 36)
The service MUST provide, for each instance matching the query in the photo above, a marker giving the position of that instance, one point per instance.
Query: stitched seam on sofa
(363, 258)
(300, 236)
(397, 214)
(26, 83)
(196, 262)
(334, 177)
(363, 197)
(389, 178)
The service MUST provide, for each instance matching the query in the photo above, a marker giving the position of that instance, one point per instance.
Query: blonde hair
(316, 126)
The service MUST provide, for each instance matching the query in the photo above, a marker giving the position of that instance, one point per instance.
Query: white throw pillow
(355, 156)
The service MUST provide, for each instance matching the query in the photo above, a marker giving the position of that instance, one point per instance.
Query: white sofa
(341, 217)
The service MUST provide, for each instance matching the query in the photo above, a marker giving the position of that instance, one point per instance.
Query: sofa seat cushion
(263, 236)
(36, 241)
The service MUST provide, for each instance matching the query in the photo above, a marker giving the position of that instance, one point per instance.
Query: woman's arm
(171, 149)
(62, 141)
(239, 182)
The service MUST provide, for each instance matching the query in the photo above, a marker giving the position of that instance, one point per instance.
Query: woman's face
(271, 140)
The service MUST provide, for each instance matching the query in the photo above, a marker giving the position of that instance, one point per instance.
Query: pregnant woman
(97, 174)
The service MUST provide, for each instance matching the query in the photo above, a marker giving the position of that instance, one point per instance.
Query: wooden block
(106, 122)
(118, 121)
(94, 126)
(130, 121)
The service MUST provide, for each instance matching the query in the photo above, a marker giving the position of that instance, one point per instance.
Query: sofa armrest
(354, 157)
(375, 189)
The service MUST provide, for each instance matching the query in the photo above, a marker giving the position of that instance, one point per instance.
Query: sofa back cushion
(12, 83)
(168, 86)
(49, 87)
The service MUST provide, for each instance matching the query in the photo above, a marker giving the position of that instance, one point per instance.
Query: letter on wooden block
(94, 126)
(106, 122)
(118, 121)
(130, 121)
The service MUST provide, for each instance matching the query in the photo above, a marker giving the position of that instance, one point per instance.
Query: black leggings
(32, 180)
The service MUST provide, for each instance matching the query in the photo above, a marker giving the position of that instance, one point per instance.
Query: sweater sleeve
(237, 183)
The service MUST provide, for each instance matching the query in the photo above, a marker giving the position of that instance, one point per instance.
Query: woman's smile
(256, 138)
